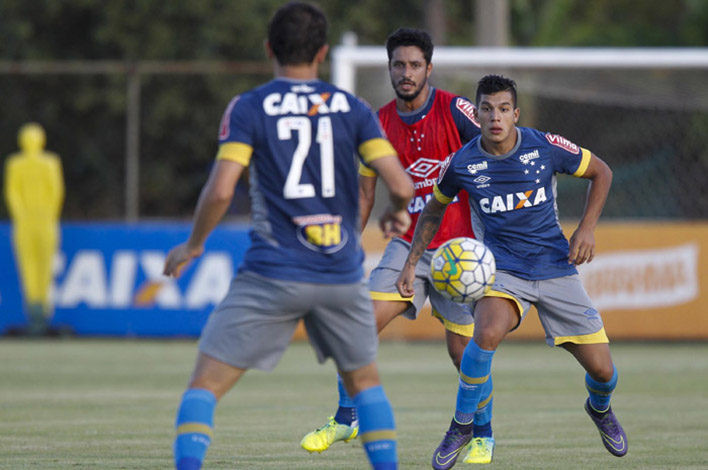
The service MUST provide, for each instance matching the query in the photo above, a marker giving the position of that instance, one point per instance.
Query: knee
(360, 379)
(602, 372)
(489, 338)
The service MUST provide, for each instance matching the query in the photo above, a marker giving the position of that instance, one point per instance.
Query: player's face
(497, 118)
(409, 72)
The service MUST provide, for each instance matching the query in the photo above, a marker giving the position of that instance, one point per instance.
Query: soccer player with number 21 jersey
(298, 135)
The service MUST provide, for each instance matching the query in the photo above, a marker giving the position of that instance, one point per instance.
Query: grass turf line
(110, 404)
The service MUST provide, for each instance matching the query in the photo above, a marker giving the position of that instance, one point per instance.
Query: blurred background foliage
(85, 115)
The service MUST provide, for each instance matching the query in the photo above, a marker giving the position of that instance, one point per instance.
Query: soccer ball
(462, 269)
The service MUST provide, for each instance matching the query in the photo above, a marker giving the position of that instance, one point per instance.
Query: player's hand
(405, 281)
(582, 247)
(393, 224)
(178, 257)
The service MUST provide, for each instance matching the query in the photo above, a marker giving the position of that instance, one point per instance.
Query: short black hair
(490, 84)
(410, 37)
(296, 32)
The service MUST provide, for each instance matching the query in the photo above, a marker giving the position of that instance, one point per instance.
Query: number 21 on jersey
(293, 188)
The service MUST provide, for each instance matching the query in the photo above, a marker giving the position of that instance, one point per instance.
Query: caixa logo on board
(127, 279)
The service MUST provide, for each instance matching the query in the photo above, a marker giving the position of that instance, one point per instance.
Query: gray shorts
(254, 324)
(382, 285)
(564, 308)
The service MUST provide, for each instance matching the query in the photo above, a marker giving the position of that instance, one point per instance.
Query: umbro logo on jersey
(563, 143)
(481, 179)
(423, 167)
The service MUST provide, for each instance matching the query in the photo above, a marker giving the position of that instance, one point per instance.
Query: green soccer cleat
(481, 450)
(320, 439)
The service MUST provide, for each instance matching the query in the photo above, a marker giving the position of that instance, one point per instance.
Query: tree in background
(84, 115)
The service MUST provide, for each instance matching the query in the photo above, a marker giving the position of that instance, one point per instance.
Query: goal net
(644, 111)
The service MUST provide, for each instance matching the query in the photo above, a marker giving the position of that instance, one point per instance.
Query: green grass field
(110, 404)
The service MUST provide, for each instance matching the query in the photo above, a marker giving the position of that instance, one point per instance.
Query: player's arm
(395, 219)
(213, 203)
(425, 229)
(367, 193)
(582, 242)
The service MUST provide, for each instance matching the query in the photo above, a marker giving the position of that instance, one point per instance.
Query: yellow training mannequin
(34, 193)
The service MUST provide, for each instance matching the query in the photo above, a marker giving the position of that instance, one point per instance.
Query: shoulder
(12, 159)
(444, 95)
(388, 107)
(552, 141)
(470, 149)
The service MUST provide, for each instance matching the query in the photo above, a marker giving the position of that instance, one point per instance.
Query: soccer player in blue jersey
(425, 125)
(509, 174)
(299, 135)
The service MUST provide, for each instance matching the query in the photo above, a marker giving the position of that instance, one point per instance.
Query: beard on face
(411, 95)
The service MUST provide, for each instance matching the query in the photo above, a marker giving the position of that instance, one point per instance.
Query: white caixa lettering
(89, 278)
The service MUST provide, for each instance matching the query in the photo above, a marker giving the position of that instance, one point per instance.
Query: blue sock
(483, 416)
(600, 392)
(475, 371)
(377, 429)
(346, 413)
(194, 425)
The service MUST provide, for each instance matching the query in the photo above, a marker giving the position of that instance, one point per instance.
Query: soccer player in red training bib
(509, 174)
(425, 125)
(297, 134)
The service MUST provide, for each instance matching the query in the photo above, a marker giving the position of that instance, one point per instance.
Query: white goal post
(346, 58)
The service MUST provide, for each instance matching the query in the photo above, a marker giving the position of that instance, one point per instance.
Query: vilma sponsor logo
(562, 142)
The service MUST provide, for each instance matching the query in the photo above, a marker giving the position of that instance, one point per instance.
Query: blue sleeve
(448, 184)
(238, 121)
(462, 111)
(369, 125)
(568, 158)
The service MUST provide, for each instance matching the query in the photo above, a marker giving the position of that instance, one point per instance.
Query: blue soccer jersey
(513, 200)
(301, 140)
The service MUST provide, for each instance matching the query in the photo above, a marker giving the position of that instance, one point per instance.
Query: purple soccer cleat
(449, 449)
(611, 432)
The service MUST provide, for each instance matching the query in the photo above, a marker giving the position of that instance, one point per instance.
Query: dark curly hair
(490, 84)
(410, 37)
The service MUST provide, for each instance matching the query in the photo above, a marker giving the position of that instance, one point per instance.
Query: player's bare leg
(386, 310)
(600, 381)
(214, 375)
(595, 359)
(456, 346)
